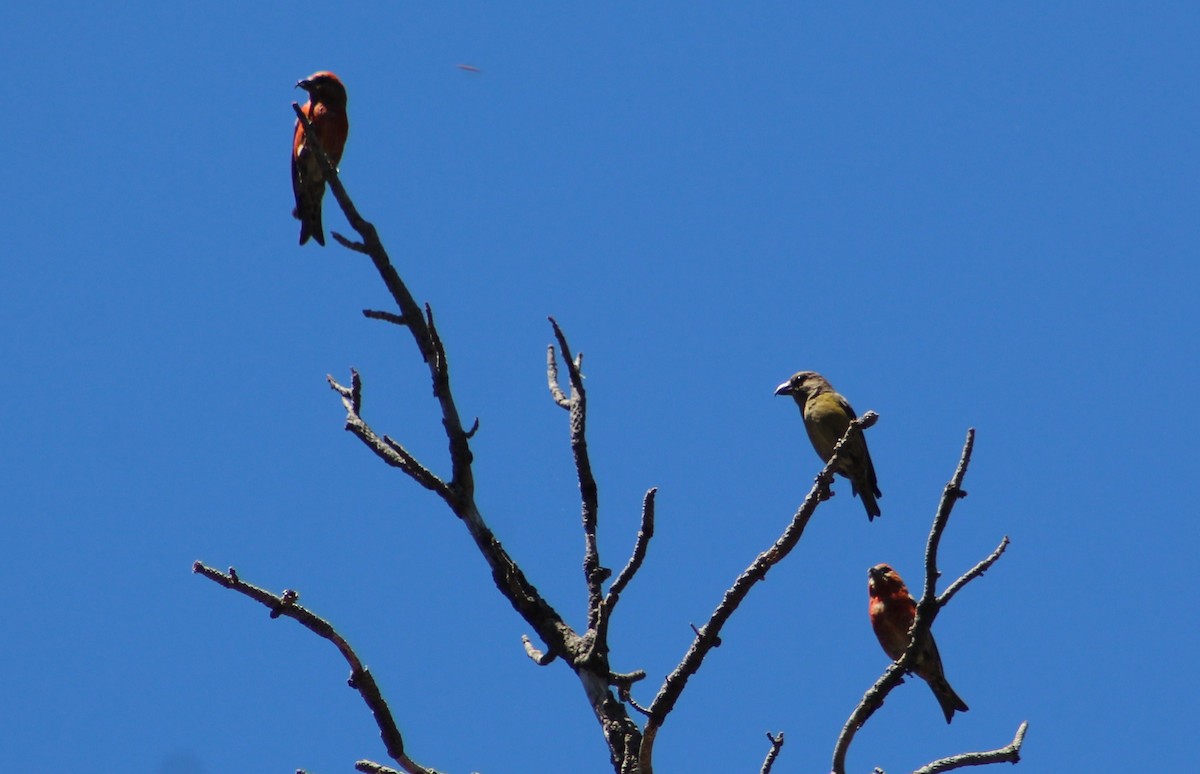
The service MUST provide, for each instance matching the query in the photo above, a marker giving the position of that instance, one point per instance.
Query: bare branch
(440, 367)
(951, 493)
(360, 680)
(708, 636)
(556, 392)
(371, 767)
(538, 657)
(871, 701)
(375, 314)
(352, 395)
(1010, 753)
(972, 574)
(627, 678)
(594, 575)
(414, 468)
(645, 532)
(623, 691)
(573, 364)
(357, 247)
(385, 448)
(773, 753)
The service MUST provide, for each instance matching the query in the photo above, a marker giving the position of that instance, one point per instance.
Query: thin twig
(951, 494)
(645, 533)
(972, 573)
(626, 695)
(1010, 753)
(360, 677)
(357, 247)
(392, 317)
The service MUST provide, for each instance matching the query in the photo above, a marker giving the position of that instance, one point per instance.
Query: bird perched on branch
(892, 611)
(326, 109)
(826, 416)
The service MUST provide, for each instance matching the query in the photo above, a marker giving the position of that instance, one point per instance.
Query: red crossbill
(326, 109)
(892, 611)
(826, 417)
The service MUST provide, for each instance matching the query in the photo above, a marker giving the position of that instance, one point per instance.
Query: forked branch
(927, 609)
(773, 753)
(586, 657)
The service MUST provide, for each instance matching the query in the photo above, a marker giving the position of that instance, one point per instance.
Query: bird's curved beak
(303, 84)
(784, 389)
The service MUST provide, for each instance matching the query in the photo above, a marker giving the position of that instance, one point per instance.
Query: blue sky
(964, 215)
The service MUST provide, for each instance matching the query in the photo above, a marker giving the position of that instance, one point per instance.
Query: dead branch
(773, 753)
(594, 575)
(587, 658)
(645, 532)
(360, 680)
(927, 609)
(1010, 753)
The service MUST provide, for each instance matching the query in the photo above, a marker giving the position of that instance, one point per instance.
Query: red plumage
(326, 110)
(892, 610)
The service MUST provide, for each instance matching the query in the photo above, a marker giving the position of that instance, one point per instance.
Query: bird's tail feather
(868, 500)
(947, 698)
(310, 224)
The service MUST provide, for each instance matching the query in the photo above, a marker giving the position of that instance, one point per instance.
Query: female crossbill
(826, 416)
(892, 611)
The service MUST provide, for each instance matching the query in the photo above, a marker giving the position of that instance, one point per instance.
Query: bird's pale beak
(784, 389)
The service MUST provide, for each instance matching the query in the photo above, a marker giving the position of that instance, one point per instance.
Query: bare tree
(629, 727)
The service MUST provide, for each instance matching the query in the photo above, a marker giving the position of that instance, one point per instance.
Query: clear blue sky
(962, 214)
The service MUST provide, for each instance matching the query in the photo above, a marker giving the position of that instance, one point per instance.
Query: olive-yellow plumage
(826, 416)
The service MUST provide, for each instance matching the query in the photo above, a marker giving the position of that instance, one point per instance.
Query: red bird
(892, 611)
(326, 109)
